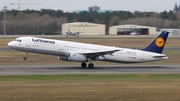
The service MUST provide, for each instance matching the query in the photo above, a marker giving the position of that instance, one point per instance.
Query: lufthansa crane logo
(159, 42)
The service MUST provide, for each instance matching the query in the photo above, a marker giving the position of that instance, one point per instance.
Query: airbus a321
(82, 52)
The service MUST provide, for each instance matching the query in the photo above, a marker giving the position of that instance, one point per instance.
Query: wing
(96, 53)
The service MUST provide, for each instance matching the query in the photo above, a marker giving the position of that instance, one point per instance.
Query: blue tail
(157, 45)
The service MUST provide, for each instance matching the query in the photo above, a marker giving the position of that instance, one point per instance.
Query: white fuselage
(62, 48)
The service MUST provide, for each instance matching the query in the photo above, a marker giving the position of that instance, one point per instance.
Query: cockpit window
(17, 40)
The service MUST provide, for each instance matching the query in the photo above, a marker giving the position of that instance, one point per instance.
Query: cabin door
(61, 46)
(142, 56)
(28, 42)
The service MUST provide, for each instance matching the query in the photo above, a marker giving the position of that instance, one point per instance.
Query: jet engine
(73, 57)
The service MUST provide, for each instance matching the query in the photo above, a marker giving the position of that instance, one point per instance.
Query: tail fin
(157, 45)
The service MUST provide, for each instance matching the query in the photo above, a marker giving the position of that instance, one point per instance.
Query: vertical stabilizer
(158, 43)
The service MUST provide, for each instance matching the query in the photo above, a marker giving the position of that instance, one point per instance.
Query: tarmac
(99, 69)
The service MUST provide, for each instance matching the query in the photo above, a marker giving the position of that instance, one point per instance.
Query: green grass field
(141, 87)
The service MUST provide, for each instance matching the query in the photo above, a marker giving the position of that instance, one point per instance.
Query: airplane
(83, 52)
(75, 34)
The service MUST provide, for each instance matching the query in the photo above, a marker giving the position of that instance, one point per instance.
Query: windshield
(17, 40)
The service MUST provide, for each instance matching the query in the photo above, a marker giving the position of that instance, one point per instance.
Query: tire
(83, 64)
(25, 58)
(91, 65)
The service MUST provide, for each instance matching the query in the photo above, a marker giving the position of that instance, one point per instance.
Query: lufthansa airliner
(83, 52)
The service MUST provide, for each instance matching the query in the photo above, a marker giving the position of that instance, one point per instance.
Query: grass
(86, 77)
(143, 87)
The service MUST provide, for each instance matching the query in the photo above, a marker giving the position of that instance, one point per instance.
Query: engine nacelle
(77, 57)
(73, 57)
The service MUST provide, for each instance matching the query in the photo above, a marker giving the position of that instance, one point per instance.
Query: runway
(101, 69)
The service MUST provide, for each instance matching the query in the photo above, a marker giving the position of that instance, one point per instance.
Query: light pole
(5, 8)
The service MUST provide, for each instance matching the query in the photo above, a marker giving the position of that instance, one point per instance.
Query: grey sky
(128, 5)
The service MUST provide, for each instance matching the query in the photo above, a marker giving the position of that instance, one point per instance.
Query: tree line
(50, 21)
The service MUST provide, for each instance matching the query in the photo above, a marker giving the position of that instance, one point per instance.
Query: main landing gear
(90, 65)
(25, 57)
(83, 64)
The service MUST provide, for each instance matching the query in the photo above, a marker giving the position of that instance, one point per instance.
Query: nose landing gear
(25, 58)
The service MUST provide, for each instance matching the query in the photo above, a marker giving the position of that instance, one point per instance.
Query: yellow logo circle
(159, 42)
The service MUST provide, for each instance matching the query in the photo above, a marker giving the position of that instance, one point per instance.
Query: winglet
(157, 45)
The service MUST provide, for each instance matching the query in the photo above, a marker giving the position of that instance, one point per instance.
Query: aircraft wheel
(83, 64)
(25, 58)
(91, 65)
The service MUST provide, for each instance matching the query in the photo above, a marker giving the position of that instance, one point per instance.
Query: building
(176, 8)
(84, 27)
(131, 29)
(94, 8)
(171, 31)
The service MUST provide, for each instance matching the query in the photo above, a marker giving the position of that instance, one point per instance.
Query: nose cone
(10, 44)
